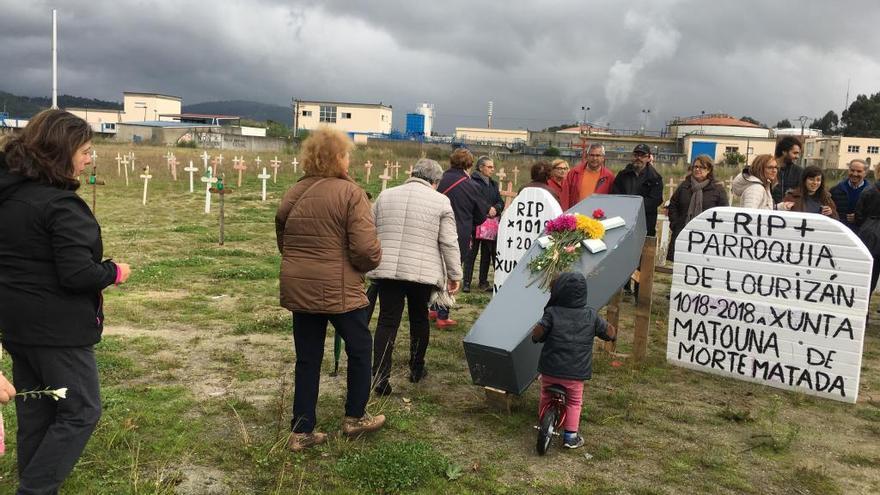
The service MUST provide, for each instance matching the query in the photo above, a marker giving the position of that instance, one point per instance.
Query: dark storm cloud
(539, 61)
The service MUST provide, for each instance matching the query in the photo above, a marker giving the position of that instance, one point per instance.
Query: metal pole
(54, 59)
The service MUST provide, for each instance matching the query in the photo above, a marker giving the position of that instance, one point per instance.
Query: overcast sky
(539, 61)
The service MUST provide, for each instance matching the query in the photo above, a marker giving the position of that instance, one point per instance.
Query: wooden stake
(643, 307)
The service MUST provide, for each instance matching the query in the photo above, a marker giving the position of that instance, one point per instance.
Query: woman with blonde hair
(754, 184)
(327, 238)
(558, 170)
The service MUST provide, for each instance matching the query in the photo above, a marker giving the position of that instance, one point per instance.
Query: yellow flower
(593, 229)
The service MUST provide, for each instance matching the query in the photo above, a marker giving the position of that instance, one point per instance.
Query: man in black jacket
(846, 193)
(640, 178)
(788, 150)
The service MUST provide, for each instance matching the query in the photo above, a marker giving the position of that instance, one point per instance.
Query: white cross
(118, 161)
(368, 166)
(125, 168)
(396, 168)
(385, 177)
(276, 164)
(131, 157)
(146, 176)
(205, 157)
(264, 177)
(409, 172)
(516, 175)
(173, 164)
(209, 180)
(295, 163)
(258, 161)
(191, 169)
(241, 167)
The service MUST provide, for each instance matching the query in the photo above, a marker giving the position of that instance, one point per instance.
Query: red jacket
(572, 184)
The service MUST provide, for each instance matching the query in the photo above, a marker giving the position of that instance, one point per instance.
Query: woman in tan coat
(327, 239)
(420, 255)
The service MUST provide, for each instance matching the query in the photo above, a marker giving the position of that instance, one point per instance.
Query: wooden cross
(241, 167)
(204, 156)
(95, 182)
(118, 162)
(368, 167)
(131, 158)
(508, 194)
(209, 180)
(516, 176)
(222, 191)
(257, 161)
(501, 176)
(385, 177)
(294, 163)
(146, 176)
(125, 168)
(173, 164)
(671, 186)
(215, 163)
(191, 169)
(276, 164)
(409, 172)
(396, 169)
(264, 177)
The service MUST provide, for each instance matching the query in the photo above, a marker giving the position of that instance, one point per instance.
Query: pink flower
(598, 214)
(569, 249)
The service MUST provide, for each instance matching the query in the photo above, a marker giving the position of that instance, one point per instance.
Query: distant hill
(252, 110)
(27, 106)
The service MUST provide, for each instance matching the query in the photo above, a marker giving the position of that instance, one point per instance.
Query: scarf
(696, 205)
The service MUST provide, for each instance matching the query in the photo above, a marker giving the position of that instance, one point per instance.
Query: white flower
(61, 393)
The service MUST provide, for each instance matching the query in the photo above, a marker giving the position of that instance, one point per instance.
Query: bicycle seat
(556, 390)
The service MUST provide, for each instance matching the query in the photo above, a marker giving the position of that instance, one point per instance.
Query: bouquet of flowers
(566, 234)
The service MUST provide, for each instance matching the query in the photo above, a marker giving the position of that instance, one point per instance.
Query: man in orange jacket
(586, 178)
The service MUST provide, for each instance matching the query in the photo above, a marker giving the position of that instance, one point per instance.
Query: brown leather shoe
(300, 441)
(353, 427)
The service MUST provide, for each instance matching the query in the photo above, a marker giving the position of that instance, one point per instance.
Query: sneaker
(352, 427)
(300, 441)
(446, 323)
(432, 315)
(417, 377)
(485, 287)
(575, 443)
(466, 288)
(383, 389)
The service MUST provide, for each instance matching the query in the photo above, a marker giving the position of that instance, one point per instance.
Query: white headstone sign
(521, 223)
(773, 297)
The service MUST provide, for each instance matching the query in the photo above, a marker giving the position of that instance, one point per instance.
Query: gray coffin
(499, 348)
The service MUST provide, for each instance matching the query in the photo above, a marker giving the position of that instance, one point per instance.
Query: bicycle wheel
(546, 430)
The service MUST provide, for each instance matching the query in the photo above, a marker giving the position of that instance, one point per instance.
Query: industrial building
(837, 151)
(357, 119)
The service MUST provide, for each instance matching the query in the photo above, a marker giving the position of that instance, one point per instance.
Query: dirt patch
(201, 480)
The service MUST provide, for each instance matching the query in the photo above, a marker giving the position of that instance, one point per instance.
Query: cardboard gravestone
(521, 223)
(499, 348)
(772, 297)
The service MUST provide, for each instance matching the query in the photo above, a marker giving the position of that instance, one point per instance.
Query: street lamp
(645, 112)
(586, 110)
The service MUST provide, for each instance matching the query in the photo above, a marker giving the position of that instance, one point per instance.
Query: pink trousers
(573, 399)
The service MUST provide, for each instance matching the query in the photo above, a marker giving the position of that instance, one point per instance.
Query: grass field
(197, 367)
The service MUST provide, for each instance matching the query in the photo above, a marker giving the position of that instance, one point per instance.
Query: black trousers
(309, 332)
(391, 297)
(52, 434)
(487, 257)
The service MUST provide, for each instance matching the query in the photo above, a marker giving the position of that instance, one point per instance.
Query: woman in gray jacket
(420, 255)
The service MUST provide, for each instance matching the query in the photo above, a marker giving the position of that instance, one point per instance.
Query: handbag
(488, 230)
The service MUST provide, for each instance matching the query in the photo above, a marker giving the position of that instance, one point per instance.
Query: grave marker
(204, 156)
(396, 169)
(264, 177)
(209, 180)
(294, 163)
(172, 163)
(369, 167)
(118, 164)
(191, 169)
(146, 176)
(95, 182)
(275, 164)
(385, 178)
(215, 165)
(241, 167)
(508, 194)
(501, 176)
(222, 191)
(131, 159)
(125, 168)
(409, 172)
(516, 176)
(777, 298)
(521, 223)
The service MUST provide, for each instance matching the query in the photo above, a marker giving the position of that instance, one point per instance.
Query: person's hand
(611, 330)
(452, 286)
(7, 391)
(826, 210)
(786, 205)
(124, 271)
(850, 217)
(492, 211)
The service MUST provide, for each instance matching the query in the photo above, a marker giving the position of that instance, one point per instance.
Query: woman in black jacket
(482, 177)
(51, 278)
(696, 194)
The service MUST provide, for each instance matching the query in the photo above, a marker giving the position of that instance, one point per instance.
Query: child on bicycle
(567, 330)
